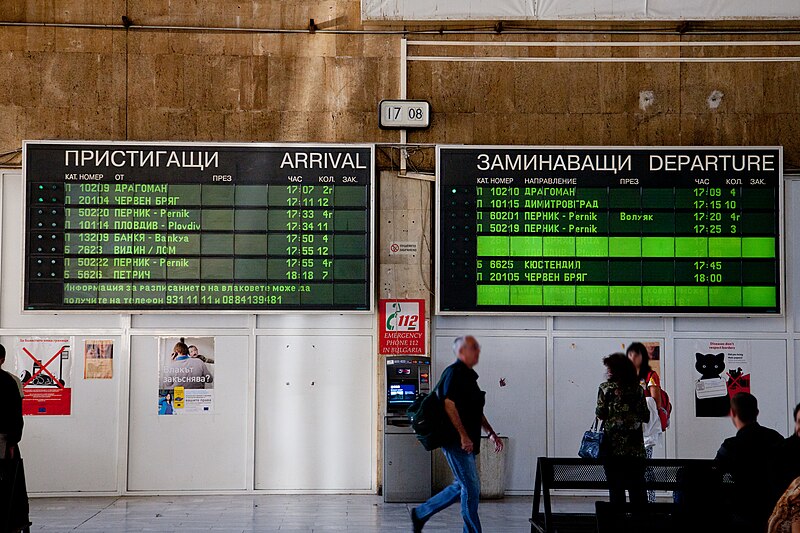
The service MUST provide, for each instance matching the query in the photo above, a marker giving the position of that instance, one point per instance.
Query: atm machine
(406, 464)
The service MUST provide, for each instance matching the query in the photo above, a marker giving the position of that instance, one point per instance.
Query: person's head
(620, 369)
(180, 348)
(2, 354)
(744, 409)
(168, 397)
(797, 420)
(467, 350)
(193, 350)
(640, 357)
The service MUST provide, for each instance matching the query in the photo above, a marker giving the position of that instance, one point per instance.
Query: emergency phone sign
(402, 327)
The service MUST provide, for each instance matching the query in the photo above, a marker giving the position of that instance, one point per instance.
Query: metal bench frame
(576, 474)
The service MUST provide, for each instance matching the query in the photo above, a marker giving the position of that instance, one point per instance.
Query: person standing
(622, 408)
(651, 385)
(463, 402)
(11, 424)
(183, 370)
(194, 352)
(789, 457)
(750, 456)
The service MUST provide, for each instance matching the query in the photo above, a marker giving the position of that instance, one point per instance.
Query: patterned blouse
(787, 510)
(622, 410)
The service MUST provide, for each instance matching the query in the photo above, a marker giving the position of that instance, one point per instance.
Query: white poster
(44, 365)
(723, 369)
(186, 375)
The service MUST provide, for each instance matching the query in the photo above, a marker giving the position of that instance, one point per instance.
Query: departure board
(686, 230)
(180, 226)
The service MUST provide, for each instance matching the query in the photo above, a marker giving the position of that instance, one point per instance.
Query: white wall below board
(76, 452)
(192, 451)
(577, 374)
(700, 437)
(516, 408)
(315, 413)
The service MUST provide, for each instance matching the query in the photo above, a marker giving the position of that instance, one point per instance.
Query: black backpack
(428, 419)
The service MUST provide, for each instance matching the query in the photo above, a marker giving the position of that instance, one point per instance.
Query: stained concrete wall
(192, 85)
(568, 101)
(163, 84)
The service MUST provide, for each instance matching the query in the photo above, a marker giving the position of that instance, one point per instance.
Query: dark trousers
(13, 495)
(624, 473)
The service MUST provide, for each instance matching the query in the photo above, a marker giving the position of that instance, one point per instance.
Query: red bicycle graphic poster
(44, 365)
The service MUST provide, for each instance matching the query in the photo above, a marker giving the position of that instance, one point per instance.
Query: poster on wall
(98, 359)
(723, 369)
(185, 375)
(654, 352)
(44, 365)
(402, 326)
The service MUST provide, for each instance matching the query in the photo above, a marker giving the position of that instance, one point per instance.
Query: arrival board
(609, 230)
(166, 226)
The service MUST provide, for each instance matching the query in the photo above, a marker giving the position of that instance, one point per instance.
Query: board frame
(586, 311)
(199, 145)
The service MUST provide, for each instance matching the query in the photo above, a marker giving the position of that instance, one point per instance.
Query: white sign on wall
(403, 248)
(442, 10)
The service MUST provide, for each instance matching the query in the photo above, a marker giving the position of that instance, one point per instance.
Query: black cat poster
(723, 369)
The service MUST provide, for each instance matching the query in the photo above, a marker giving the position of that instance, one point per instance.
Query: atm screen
(404, 393)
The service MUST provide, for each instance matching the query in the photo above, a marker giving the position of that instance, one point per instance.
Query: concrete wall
(159, 84)
(68, 83)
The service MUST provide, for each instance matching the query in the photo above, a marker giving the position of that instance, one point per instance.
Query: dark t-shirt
(10, 408)
(788, 467)
(750, 456)
(459, 383)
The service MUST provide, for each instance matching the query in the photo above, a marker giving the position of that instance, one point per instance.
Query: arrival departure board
(685, 230)
(171, 227)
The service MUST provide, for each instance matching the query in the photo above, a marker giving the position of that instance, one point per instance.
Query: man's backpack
(428, 419)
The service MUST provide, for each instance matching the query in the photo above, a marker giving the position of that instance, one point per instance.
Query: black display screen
(166, 226)
(402, 393)
(609, 230)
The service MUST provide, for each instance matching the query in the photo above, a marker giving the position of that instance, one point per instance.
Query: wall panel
(701, 437)
(512, 372)
(78, 452)
(192, 451)
(314, 413)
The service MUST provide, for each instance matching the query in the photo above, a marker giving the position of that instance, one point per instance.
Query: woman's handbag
(590, 444)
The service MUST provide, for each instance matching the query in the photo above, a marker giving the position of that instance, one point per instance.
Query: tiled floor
(246, 513)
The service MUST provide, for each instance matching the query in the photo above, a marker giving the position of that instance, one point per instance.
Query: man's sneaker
(416, 522)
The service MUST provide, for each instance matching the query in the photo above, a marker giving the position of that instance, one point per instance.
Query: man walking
(463, 402)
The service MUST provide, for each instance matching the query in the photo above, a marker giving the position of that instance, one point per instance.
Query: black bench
(695, 481)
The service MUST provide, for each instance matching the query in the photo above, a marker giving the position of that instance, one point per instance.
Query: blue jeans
(466, 487)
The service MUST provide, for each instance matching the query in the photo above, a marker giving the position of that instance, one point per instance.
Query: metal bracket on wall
(417, 176)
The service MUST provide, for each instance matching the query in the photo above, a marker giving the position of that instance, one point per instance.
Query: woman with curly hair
(622, 408)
